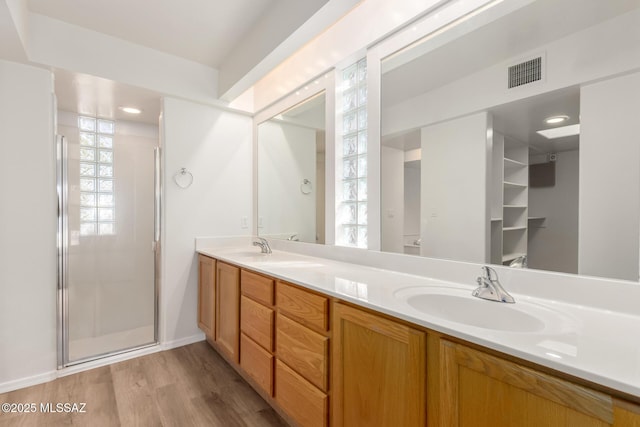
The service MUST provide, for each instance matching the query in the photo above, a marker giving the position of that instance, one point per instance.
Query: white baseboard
(52, 375)
(28, 381)
(168, 345)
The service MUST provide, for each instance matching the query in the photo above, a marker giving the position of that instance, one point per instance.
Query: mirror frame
(324, 83)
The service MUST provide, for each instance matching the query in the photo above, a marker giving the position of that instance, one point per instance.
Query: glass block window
(97, 199)
(351, 218)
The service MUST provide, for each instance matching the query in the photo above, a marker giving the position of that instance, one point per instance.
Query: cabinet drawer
(305, 351)
(306, 307)
(257, 287)
(257, 362)
(256, 321)
(307, 405)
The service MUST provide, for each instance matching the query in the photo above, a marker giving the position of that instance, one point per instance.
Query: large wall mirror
(518, 136)
(291, 173)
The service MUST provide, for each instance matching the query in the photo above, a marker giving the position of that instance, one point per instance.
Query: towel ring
(183, 178)
(305, 187)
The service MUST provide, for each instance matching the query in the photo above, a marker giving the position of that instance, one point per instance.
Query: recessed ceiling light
(556, 119)
(131, 110)
(560, 132)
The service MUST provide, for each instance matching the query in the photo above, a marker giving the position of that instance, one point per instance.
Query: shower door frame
(63, 257)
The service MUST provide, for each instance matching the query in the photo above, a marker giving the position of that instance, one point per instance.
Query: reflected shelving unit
(510, 195)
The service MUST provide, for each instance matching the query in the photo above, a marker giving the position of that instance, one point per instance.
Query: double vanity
(333, 343)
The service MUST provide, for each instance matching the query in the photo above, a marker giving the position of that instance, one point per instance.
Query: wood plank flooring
(186, 386)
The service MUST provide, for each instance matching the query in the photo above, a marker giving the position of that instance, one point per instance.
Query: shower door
(108, 185)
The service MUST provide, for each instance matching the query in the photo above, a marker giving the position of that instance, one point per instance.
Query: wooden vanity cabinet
(379, 370)
(302, 355)
(363, 368)
(227, 305)
(468, 387)
(206, 295)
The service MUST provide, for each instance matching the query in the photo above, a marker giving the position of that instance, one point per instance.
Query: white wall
(216, 147)
(28, 271)
(610, 178)
(553, 243)
(286, 156)
(392, 199)
(453, 200)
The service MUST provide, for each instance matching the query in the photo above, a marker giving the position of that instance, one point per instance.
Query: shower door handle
(157, 197)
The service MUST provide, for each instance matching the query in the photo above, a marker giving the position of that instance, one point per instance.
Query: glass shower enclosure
(108, 241)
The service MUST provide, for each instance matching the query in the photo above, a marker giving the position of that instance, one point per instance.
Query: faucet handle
(489, 273)
(263, 243)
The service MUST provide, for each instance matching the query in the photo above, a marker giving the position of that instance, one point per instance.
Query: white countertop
(597, 345)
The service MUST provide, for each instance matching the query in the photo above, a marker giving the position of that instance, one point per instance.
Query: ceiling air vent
(525, 72)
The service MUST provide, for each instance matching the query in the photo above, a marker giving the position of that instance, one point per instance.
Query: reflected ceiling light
(131, 110)
(560, 132)
(556, 119)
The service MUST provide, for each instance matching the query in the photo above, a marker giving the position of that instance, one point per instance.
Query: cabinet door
(478, 389)
(206, 295)
(378, 371)
(228, 310)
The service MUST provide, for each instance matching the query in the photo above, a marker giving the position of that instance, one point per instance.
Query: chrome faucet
(489, 287)
(293, 238)
(264, 245)
(520, 262)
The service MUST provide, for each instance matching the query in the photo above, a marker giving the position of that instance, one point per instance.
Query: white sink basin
(459, 306)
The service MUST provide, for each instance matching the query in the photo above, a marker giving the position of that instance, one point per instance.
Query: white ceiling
(209, 32)
(521, 119)
(204, 31)
(94, 96)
